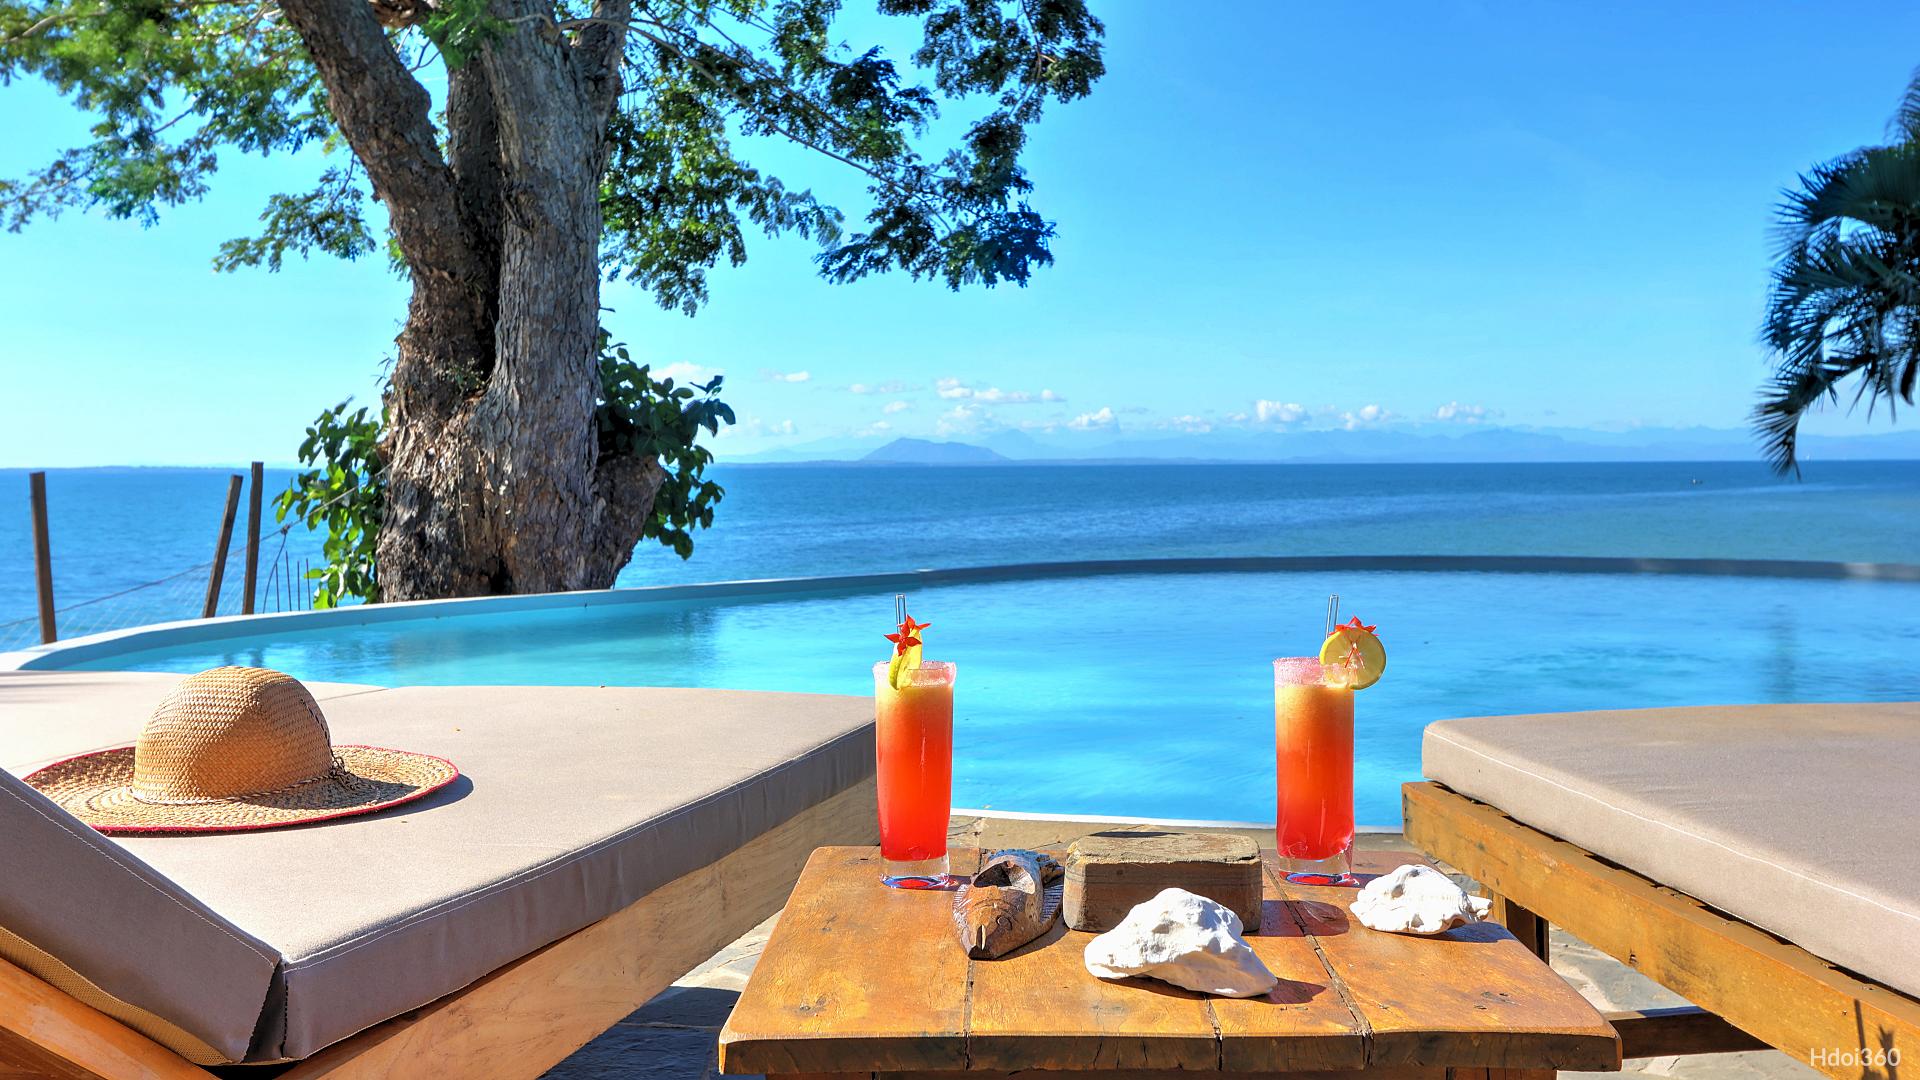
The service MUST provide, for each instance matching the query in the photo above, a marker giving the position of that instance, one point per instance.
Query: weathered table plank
(1474, 996)
(855, 977)
(1301, 1024)
(1037, 1008)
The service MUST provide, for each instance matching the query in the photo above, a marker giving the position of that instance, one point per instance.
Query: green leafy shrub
(343, 490)
(640, 415)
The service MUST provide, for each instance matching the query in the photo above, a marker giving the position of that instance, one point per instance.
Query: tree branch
(383, 112)
(598, 50)
(624, 488)
(473, 146)
(536, 83)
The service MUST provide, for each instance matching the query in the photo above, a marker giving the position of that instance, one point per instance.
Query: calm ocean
(115, 528)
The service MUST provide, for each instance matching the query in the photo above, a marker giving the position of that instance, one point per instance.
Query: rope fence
(288, 552)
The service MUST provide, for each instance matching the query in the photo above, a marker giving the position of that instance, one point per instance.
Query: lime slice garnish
(1359, 655)
(902, 663)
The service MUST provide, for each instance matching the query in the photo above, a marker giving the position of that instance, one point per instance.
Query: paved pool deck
(673, 1036)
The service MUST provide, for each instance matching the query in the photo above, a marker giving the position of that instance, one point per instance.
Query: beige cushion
(575, 802)
(1796, 818)
(73, 903)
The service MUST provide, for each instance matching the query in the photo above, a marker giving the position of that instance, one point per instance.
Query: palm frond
(1845, 297)
(1905, 125)
(1794, 390)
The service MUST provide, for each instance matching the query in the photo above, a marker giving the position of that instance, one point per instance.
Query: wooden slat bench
(1741, 977)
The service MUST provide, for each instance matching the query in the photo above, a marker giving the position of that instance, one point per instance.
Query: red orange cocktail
(1313, 748)
(1313, 752)
(913, 717)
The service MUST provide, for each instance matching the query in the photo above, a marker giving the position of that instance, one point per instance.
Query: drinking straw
(899, 607)
(1333, 615)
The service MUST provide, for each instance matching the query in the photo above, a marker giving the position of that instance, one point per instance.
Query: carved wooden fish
(1012, 900)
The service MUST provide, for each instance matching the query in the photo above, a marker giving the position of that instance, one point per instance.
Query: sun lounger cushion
(1798, 819)
(574, 803)
(87, 916)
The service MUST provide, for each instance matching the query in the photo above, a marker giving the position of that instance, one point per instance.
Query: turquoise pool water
(1151, 695)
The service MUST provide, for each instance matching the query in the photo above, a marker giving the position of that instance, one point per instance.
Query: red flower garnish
(1355, 625)
(909, 635)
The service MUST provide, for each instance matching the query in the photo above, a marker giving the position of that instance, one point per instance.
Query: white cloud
(1364, 416)
(1278, 412)
(687, 373)
(961, 418)
(879, 427)
(1463, 414)
(893, 386)
(957, 390)
(785, 376)
(897, 407)
(1093, 421)
(1238, 418)
(759, 429)
(1197, 424)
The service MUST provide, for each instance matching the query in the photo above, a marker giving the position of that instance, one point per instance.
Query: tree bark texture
(494, 479)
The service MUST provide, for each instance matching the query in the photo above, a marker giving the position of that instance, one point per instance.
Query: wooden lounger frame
(517, 1022)
(1752, 988)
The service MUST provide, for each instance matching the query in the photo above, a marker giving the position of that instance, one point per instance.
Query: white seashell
(1417, 900)
(1187, 940)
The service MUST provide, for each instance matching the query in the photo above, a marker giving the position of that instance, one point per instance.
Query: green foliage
(673, 196)
(344, 492)
(775, 70)
(168, 83)
(1845, 301)
(171, 83)
(461, 28)
(327, 219)
(640, 416)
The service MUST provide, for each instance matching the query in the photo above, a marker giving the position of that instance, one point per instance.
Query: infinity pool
(1150, 696)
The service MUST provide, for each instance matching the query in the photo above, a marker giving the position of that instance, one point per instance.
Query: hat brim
(97, 788)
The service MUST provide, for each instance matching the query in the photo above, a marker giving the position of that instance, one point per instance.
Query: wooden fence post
(212, 606)
(42, 555)
(253, 541)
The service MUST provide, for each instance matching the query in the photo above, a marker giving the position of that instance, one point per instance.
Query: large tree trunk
(495, 482)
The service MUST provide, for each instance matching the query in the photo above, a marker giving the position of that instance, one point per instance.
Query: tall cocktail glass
(1313, 747)
(914, 755)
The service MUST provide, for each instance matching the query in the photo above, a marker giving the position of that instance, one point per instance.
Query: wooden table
(862, 980)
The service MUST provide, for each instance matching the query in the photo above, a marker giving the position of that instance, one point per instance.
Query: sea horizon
(117, 528)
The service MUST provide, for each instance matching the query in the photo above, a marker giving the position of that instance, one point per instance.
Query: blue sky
(1359, 215)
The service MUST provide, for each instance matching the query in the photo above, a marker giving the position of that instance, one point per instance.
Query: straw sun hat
(236, 748)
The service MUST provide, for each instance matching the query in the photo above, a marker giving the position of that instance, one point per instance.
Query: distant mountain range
(1375, 445)
(927, 452)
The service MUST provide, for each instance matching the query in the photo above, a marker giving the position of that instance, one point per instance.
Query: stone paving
(672, 1037)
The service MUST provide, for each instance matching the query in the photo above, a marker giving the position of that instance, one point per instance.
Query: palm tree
(1846, 288)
